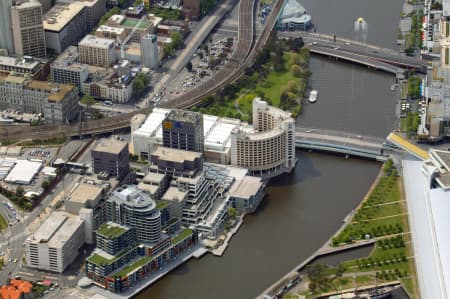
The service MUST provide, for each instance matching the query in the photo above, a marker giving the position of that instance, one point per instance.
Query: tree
(189, 66)
(140, 83)
(168, 50)
(177, 40)
(200, 55)
(295, 59)
(317, 274)
(87, 100)
(45, 184)
(340, 269)
(296, 70)
(436, 6)
(20, 191)
(232, 213)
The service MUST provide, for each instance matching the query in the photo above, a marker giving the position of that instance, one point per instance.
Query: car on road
(15, 261)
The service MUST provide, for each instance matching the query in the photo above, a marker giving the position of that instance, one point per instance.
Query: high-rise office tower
(183, 130)
(28, 29)
(6, 37)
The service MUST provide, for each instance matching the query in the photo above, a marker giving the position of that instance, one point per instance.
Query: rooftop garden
(162, 204)
(181, 236)
(110, 231)
(134, 266)
(101, 260)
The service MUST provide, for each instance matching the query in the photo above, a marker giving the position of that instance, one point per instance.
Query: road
(193, 42)
(12, 239)
(348, 46)
(243, 57)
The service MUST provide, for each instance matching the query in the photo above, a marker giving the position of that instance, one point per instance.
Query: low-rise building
(55, 244)
(57, 102)
(20, 289)
(23, 65)
(115, 85)
(65, 25)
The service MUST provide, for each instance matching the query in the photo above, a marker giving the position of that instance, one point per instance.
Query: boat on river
(313, 96)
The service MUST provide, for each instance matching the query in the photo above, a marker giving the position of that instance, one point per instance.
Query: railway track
(244, 55)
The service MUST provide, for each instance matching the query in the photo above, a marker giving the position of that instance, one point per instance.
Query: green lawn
(131, 23)
(110, 231)
(134, 266)
(272, 87)
(3, 223)
(100, 260)
(162, 204)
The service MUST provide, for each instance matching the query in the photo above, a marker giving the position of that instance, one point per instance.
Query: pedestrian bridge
(358, 52)
(340, 142)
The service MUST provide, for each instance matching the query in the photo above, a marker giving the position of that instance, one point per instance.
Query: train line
(244, 56)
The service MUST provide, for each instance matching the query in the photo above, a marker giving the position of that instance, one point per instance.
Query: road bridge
(347, 48)
(340, 142)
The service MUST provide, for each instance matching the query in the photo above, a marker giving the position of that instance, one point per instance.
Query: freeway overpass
(356, 51)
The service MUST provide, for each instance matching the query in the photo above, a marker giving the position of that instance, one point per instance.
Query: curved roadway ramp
(243, 57)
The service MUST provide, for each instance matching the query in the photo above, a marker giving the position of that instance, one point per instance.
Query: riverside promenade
(324, 250)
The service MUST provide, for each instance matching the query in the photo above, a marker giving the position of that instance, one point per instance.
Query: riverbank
(196, 252)
(391, 258)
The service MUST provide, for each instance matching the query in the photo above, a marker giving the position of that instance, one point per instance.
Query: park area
(381, 216)
(279, 76)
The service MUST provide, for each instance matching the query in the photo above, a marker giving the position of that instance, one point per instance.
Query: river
(303, 209)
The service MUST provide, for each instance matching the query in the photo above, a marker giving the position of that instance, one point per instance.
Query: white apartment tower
(149, 51)
(6, 37)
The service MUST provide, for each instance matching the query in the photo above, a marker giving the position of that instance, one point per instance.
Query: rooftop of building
(68, 60)
(84, 192)
(111, 146)
(15, 289)
(443, 157)
(24, 62)
(174, 194)
(153, 178)
(57, 91)
(152, 123)
(293, 11)
(176, 155)
(151, 189)
(185, 116)
(22, 4)
(132, 196)
(132, 22)
(112, 230)
(97, 42)
(112, 29)
(16, 78)
(60, 15)
(57, 229)
(247, 187)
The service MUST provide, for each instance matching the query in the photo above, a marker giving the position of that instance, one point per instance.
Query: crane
(127, 39)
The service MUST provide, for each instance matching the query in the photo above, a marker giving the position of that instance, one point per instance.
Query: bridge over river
(341, 142)
(383, 59)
